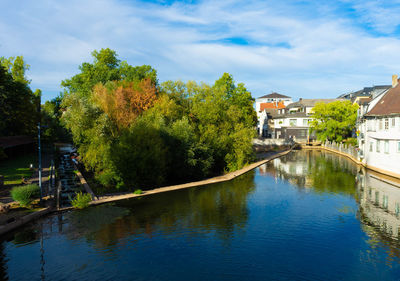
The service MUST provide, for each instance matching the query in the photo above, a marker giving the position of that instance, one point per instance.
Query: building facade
(293, 122)
(379, 131)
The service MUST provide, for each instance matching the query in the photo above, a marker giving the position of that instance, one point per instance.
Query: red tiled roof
(6, 142)
(389, 103)
(271, 105)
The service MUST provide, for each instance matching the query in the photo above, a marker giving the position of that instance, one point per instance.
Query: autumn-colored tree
(123, 102)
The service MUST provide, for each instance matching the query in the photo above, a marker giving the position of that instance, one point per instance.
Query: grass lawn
(16, 168)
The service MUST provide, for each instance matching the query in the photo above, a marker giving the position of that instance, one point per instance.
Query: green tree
(334, 121)
(19, 105)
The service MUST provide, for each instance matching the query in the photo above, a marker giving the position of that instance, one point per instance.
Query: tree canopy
(134, 133)
(19, 105)
(334, 121)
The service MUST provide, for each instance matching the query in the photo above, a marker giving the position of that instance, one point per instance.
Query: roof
(366, 91)
(274, 96)
(310, 102)
(11, 141)
(270, 105)
(389, 103)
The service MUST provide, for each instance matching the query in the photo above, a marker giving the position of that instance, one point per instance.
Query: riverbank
(227, 177)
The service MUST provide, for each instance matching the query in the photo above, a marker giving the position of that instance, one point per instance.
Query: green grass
(138, 191)
(16, 168)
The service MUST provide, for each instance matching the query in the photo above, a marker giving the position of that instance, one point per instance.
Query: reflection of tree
(332, 175)
(219, 207)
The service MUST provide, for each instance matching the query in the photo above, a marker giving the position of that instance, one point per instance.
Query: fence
(344, 148)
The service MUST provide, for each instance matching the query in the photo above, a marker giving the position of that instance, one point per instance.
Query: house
(266, 106)
(379, 131)
(369, 92)
(293, 121)
(265, 117)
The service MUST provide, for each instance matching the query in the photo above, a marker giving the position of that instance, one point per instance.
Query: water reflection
(255, 227)
(378, 196)
(322, 171)
(221, 208)
(380, 210)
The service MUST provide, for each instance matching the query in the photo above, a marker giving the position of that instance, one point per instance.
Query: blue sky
(298, 48)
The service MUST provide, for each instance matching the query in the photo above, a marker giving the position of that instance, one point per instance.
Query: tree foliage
(134, 133)
(19, 105)
(334, 121)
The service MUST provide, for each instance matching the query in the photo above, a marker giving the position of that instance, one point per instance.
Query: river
(309, 215)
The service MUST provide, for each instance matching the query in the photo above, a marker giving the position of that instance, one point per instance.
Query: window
(386, 147)
(293, 122)
(398, 146)
(305, 122)
(386, 123)
(371, 144)
(377, 197)
(385, 200)
(378, 146)
(380, 124)
(393, 122)
(397, 209)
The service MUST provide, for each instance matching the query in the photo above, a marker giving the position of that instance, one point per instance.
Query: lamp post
(40, 164)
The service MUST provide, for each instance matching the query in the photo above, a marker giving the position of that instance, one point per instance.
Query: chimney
(394, 80)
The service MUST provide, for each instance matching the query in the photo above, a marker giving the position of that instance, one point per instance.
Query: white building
(272, 98)
(294, 120)
(379, 132)
(268, 105)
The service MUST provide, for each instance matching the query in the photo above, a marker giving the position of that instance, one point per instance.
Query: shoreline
(224, 178)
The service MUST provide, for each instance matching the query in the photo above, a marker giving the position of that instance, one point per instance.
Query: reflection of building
(380, 203)
(293, 168)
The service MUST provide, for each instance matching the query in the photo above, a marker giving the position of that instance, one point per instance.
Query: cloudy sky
(297, 48)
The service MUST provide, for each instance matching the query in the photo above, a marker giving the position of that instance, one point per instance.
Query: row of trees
(135, 133)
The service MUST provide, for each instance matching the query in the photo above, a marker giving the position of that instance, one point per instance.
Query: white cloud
(301, 50)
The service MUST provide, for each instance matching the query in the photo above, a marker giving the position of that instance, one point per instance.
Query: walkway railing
(344, 148)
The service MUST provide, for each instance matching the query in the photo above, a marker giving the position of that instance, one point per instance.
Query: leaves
(334, 121)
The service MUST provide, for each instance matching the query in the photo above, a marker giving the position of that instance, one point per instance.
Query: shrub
(138, 191)
(25, 194)
(81, 200)
(351, 141)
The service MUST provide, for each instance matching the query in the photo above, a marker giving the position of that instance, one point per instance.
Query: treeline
(19, 105)
(133, 132)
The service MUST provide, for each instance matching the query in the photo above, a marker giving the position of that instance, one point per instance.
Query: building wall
(380, 142)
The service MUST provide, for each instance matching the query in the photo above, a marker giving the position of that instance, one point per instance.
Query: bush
(25, 194)
(351, 141)
(81, 200)
(138, 191)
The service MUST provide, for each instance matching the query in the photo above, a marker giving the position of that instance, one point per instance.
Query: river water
(309, 215)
